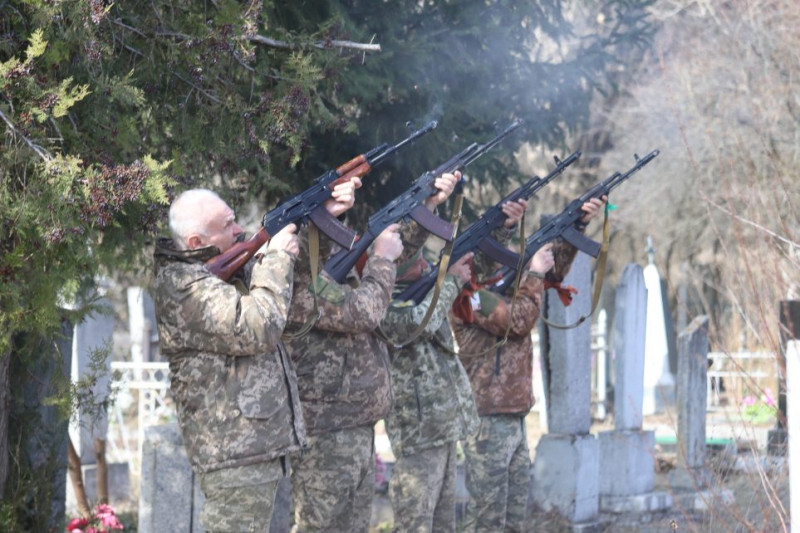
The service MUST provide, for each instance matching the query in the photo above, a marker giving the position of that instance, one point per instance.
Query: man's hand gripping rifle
(478, 235)
(563, 225)
(410, 204)
(309, 206)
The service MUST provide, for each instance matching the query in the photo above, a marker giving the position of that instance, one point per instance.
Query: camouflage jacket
(502, 379)
(433, 398)
(233, 383)
(342, 365)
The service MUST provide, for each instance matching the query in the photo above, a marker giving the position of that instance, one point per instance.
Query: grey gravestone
(627, 466)
(170, 498)
(565, 470)
(692, 481)
(691, 472)
(94, 335)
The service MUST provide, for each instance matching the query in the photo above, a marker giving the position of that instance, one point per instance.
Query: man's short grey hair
(186, 215)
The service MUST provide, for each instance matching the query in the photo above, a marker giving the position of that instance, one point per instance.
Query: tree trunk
(5, 408)
(77, 482)
(102, 470)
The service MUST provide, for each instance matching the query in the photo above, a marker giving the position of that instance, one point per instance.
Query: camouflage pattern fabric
(497, 458)
(342, 365)
(423, 491)
(483, 266)
(233, 384)
(433, 409)
(501, 378)
(498, 476)
(333, 482)
(433, 399)
(240, 499)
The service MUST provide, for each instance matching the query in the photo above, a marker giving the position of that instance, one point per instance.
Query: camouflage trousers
(240, 499)
(333, 482)
(423, 491)
(498, 475)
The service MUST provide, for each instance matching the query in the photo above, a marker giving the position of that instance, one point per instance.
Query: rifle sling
(517, 278)
(313, 256)
(598, 285)
(443, 266)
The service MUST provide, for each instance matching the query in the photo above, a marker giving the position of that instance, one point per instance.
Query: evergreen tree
(107, 109)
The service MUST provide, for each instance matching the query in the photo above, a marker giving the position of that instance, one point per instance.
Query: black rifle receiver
(410, 204)
(563, 224)
(478, 235)
(309, 205)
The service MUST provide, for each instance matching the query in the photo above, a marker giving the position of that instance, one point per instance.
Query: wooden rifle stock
(350, 165)
(308, 206)
(228, 262)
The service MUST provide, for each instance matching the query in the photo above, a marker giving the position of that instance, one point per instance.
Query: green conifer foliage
(107, 109)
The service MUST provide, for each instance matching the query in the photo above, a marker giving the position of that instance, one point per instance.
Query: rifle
(409, 204)
(563, 224)
(478, 234)
(308, 205)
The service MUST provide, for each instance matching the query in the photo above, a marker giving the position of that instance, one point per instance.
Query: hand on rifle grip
(542, 260)
(462, 269)
(514, 212)
(343, 196)
(592, 208)
(286, 240)
(445, 185)
(388, 244)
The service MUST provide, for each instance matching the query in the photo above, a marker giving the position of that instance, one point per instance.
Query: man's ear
(194, 242)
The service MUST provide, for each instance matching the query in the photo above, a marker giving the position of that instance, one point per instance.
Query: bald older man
(232, 381)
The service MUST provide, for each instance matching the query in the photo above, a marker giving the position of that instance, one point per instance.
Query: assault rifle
(308, 205)
(410, 204)
(563, 224)
(478, 235)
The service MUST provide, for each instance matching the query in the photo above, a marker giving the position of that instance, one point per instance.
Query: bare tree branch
(41, 152)
(258, 39)
(118, 22)
(323, 45)
(268, 41)
(750, 222)
(199, 89)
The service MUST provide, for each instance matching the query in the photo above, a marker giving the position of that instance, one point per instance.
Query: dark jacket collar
(166, 251)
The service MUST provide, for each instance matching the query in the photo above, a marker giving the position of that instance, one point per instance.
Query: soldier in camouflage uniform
(231, 379)
(434, 407)
(344, 381)
(497, 457)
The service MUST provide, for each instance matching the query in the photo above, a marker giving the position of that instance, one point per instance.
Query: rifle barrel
(482, 149)
(427, 128)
